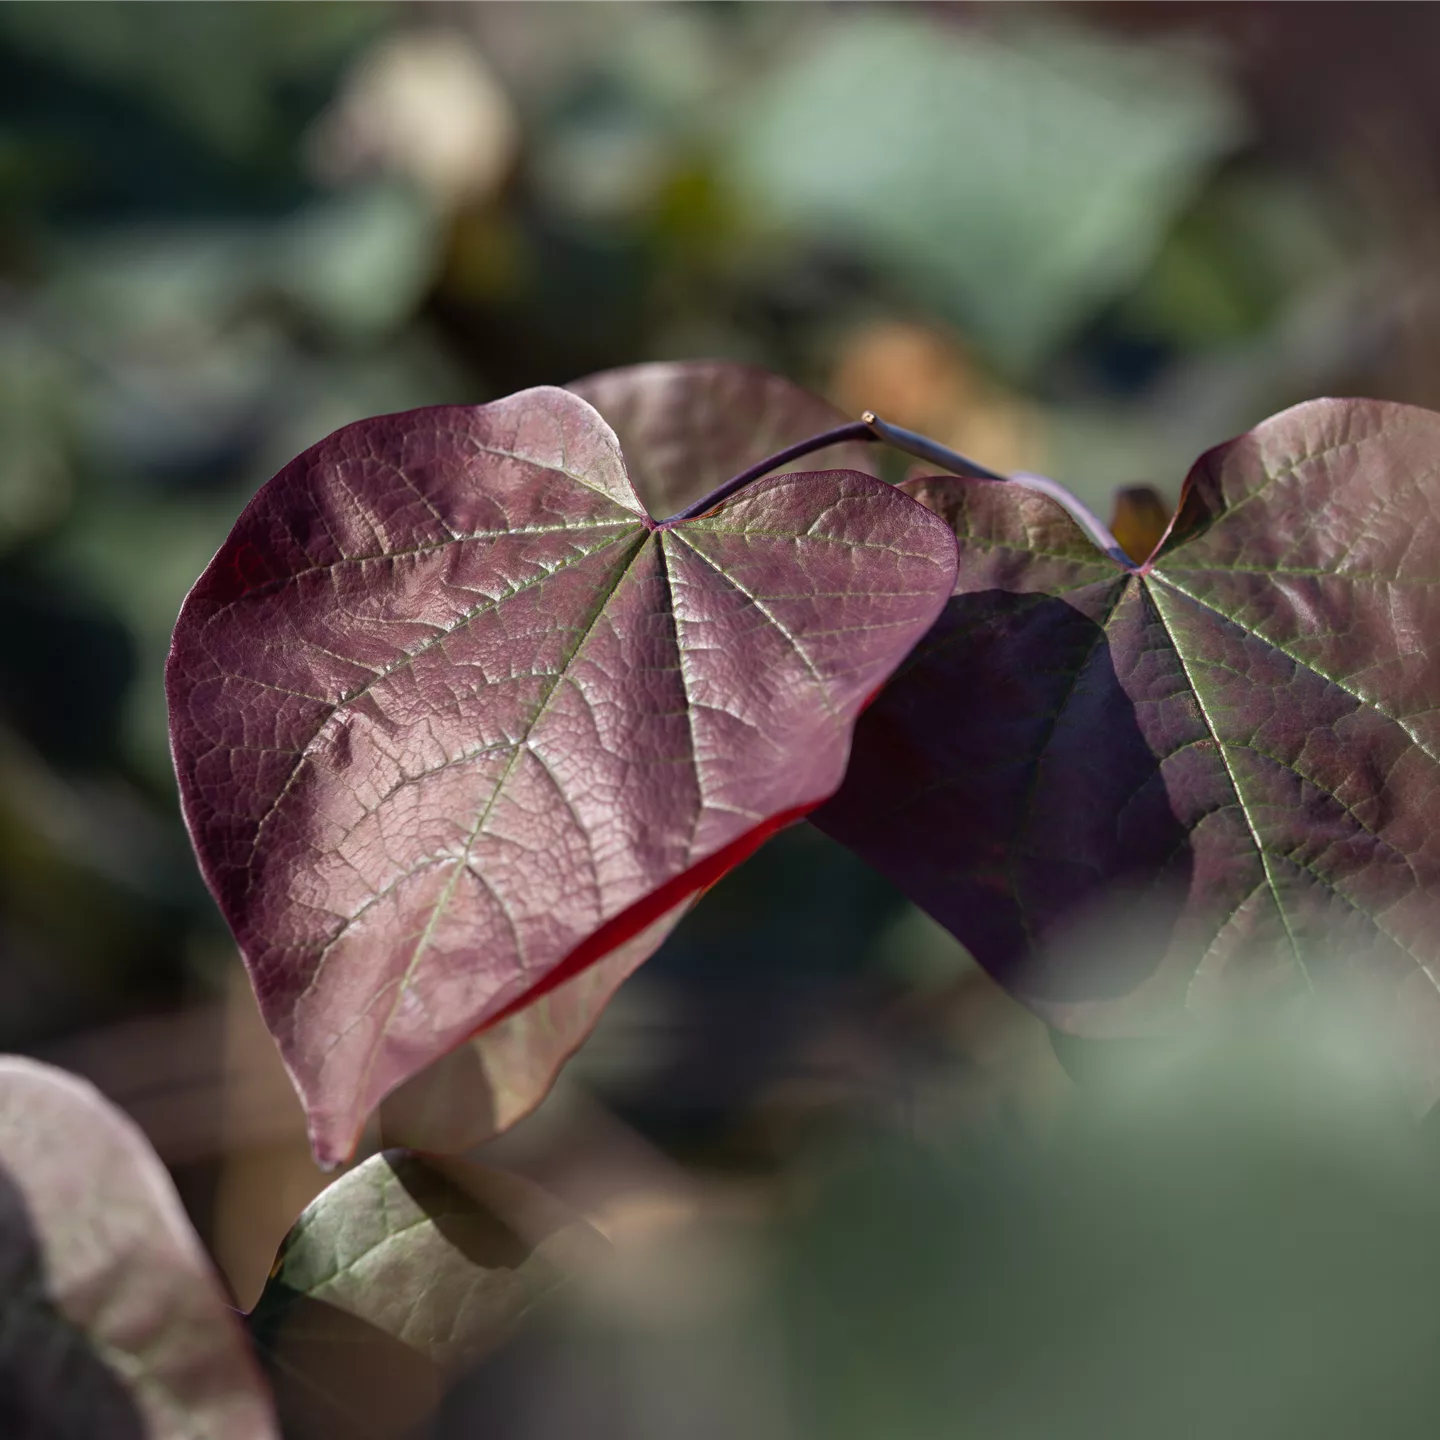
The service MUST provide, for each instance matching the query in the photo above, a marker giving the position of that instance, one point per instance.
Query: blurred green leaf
(1251, 245)
(1015, 183)
(360, 263)
(1231, 1241)
(35, 480)
(212, 68)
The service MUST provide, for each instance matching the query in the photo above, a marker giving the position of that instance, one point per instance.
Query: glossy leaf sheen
(441, 1255)
(453, 718)
(1242, 737)
(112, 1324)
(687, 426)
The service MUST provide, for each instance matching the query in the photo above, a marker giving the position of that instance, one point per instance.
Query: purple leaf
(1237, 740)
(112, 1323)
(687, 426)
(453, 718)
(684, 428)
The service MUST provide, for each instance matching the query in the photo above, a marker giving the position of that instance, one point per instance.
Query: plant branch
(870, 428)
(927, 449)
(840, 435)
(924, 448)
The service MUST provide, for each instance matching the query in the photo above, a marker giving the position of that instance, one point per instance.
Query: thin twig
(842, 434)
(870, 428)
(927, 449)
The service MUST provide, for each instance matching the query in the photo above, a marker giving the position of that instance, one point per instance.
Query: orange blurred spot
(1139, 520)
(922, 379)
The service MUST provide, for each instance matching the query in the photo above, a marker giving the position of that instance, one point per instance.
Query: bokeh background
(1085, 239)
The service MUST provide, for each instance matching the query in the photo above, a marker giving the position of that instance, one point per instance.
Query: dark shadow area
(53, 1386)
(780, 947)
(1003, 783)
(481, 1235)
(65, 666)
(333, 1374)
(554, 1380)
(569, 1375)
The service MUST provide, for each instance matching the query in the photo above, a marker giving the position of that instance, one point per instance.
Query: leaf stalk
(871, 428)
(925, 448)
(840, 435)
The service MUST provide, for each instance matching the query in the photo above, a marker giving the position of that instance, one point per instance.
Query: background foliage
(1089, 240)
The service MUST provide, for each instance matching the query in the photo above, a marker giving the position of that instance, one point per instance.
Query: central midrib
(1149, 580)
(462, 861)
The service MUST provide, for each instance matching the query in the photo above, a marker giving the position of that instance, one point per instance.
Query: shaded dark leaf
(112, 1324)
(1228, 759)
(454, 718)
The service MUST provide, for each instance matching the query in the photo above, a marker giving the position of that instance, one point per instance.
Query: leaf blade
(420, 790)
(483, 1087)
(1262, 741)
(398, 1275)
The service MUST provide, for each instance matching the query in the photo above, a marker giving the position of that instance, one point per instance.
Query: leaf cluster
(475, 703)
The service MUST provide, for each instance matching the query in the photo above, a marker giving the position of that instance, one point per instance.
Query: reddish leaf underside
(498, 1076)
(1237, 745)
(447, 703)
(112, 1323)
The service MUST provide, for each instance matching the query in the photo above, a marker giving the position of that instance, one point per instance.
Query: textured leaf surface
(398, 1275)
(1242, 736)
(453, 718)
(687, 426)
(112, 1324)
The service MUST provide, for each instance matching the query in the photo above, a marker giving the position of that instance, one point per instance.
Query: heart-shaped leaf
(684, 428)
(687, 426)
(454, 718)
(112, 1324)
(397, 1276)
(1244, 733)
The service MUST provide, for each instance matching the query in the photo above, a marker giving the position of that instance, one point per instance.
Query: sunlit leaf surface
(398, 1275)
(686, 426)
(454, 718)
